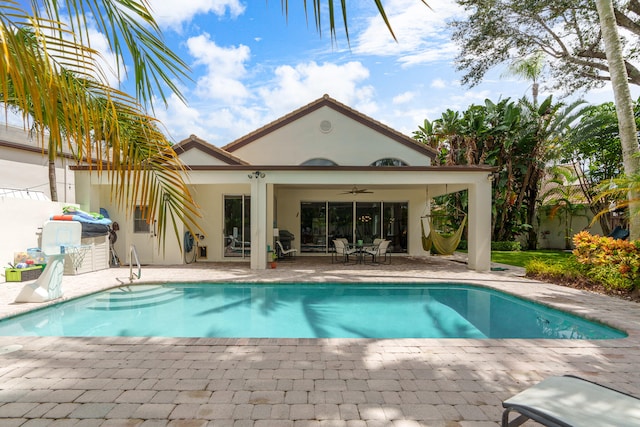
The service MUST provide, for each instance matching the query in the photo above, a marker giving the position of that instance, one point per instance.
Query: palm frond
(132, 34)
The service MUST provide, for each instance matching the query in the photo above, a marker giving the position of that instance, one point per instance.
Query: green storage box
(22, 274)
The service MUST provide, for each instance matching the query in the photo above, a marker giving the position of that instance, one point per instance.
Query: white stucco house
(323, 171)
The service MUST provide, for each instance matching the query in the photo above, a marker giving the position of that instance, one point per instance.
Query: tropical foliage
(594, 151)
(586, 44)
(518, 138)
(613, 262)
(568, 32)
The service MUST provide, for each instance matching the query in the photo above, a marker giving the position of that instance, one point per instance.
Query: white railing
(134, 254)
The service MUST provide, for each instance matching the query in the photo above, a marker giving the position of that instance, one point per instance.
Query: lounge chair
(342, 250)
(570, 401)
(282, 252)
(380, 251)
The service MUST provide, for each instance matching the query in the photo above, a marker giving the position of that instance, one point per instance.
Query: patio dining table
(361, 250)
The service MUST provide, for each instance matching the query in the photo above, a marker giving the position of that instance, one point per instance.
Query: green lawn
(520, 258)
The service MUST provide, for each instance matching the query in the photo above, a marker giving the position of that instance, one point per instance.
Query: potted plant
(274, 258)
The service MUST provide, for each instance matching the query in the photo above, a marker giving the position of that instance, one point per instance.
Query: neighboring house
(25, 204)
(24, 167)
(321, 172)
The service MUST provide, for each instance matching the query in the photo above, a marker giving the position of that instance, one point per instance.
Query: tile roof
(194, 142)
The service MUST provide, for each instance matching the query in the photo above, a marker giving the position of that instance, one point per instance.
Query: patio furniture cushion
(570, 401)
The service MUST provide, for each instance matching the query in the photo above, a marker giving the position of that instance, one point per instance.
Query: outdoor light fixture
(256, 175)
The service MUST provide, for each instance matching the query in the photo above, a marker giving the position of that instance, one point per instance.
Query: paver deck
(185, 382)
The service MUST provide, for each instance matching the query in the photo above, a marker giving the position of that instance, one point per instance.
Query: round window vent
(325, 126)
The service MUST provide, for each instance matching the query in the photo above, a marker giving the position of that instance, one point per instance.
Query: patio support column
(258, 223)
(479, 238)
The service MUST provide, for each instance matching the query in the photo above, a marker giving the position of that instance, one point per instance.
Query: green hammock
(442, 245)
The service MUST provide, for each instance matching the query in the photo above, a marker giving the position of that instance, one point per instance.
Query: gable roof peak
(193, 142)
(328, 101)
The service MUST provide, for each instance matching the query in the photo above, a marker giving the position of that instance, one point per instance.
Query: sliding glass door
(394, 225)
(340, 221)
(237, 226)
(367, 221)
(313, 227)
(322, 222)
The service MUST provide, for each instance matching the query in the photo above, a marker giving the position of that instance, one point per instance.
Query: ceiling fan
(356, 190)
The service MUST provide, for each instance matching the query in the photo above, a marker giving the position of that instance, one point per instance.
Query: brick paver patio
(64, 382)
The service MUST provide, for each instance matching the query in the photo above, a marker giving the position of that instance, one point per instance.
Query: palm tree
(49, 74)
(530, 68)
(624, 107)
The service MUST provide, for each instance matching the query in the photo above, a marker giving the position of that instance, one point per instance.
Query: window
(140, 224)
(319, 162)
(388, 162)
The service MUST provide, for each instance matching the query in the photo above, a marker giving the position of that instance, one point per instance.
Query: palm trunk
(624, 105)
(53, 186)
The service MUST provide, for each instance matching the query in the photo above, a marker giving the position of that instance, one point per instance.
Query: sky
(250, 63)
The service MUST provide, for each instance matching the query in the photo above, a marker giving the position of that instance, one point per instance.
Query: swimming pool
(304, 310)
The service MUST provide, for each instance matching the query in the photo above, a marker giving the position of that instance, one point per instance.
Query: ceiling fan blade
(356, 190)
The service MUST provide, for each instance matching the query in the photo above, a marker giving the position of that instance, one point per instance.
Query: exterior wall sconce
(256, 175)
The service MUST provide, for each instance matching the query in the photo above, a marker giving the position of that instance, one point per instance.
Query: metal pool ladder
(134, 254)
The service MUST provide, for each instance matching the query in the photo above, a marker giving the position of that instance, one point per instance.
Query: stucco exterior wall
(21, 224)
(346, 143)
(551, 231)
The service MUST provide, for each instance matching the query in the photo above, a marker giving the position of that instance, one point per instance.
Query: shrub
(505, 246)
(610, 277)
(612, 262)
(563, 271)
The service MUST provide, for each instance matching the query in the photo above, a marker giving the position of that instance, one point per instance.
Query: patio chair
(282, 252)
(570, 401)
(342, 250)
(382, 250)
(619, 233)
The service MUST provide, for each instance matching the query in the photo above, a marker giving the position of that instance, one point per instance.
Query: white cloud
(421, 31)
(438, 83)
(172, 13)
(181, 120)
(225, 67)
(403, 98)
(295, 86)
(107, 61)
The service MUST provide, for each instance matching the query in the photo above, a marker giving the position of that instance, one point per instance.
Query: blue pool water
(304, 311)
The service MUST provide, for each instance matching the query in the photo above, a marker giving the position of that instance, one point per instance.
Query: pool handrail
(133, 253)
